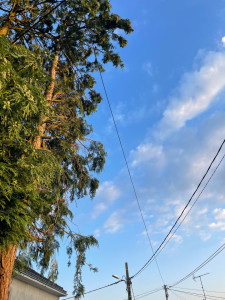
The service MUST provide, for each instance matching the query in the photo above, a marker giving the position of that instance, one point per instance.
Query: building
(30, 285)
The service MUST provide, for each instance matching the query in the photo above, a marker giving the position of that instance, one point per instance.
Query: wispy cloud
(166, 171)
(185, 159)
(223, 40)
(124, 116)
(219, 223)
(97, 233)
(195, 93)
(114, 222)
(107, 193)
(146, 152)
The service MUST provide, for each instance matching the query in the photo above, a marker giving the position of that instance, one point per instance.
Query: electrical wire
(103, 287)
(132, 291)
(164, 240)
(151, 291)
(147, 294)
(154, 253)
(192, 204)
(128, 168)
(220, 249)
(176, 295)
(160, 248)
(199, 290)
(198, 295)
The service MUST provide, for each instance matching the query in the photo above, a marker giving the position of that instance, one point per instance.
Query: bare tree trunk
(49, 92)
(5, 28)
(38, 143)
(7, 259)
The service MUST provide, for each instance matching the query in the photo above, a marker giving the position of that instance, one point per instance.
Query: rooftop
(35, 279)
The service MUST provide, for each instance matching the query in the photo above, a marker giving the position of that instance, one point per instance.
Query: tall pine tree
(47, 55)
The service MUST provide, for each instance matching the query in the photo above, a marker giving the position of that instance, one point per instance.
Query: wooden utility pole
(166, 292)
(128, 282)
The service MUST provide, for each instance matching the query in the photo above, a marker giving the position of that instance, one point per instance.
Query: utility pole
(166, 292)
(201, 283)
(128, 282)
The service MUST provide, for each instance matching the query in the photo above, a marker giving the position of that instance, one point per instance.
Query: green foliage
(46, 94)
(22, 105)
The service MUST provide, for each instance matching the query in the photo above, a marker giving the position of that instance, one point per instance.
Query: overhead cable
(183, 288)
(103, 287)
(220, 249)
(192, 204)
(132, 292)
(147, 294)
(151, 291)
(168, 235)
(128, 168)
(198, 295)
(176, 295)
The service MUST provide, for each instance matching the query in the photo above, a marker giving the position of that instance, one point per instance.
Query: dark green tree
(48, 51)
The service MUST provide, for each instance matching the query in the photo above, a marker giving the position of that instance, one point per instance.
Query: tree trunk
(38, 143)
(7, 259)
(6, 26)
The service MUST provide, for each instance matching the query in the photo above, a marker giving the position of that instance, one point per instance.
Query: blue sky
(169, 105)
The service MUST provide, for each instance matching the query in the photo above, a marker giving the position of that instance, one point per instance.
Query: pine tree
(48, 51)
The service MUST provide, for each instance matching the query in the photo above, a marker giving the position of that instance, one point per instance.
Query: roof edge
(35, 279)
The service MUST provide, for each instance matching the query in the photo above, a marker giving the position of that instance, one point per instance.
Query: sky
(169, 106)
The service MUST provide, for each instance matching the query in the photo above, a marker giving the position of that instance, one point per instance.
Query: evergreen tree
(48, 51)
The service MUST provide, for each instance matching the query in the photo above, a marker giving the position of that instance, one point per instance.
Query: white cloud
(107, 193)
(219, 225)
(114, 222)
(147, 152)
(223, 40)
(97, 233)
(126, 116)
(167, 172)
(204, 235)
(203, 211)
(194, 95)
(164, 191)
(177, 238)
(108, 190)
(219, 215)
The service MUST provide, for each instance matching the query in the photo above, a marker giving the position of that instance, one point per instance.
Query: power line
(147, 294)
(176, 295)
(199, 290)
(220, 249)
(192, 204)
(150, 292)
(132, 291)
(164, 240)
(198, 295)
(128, 168)
(103, 287)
